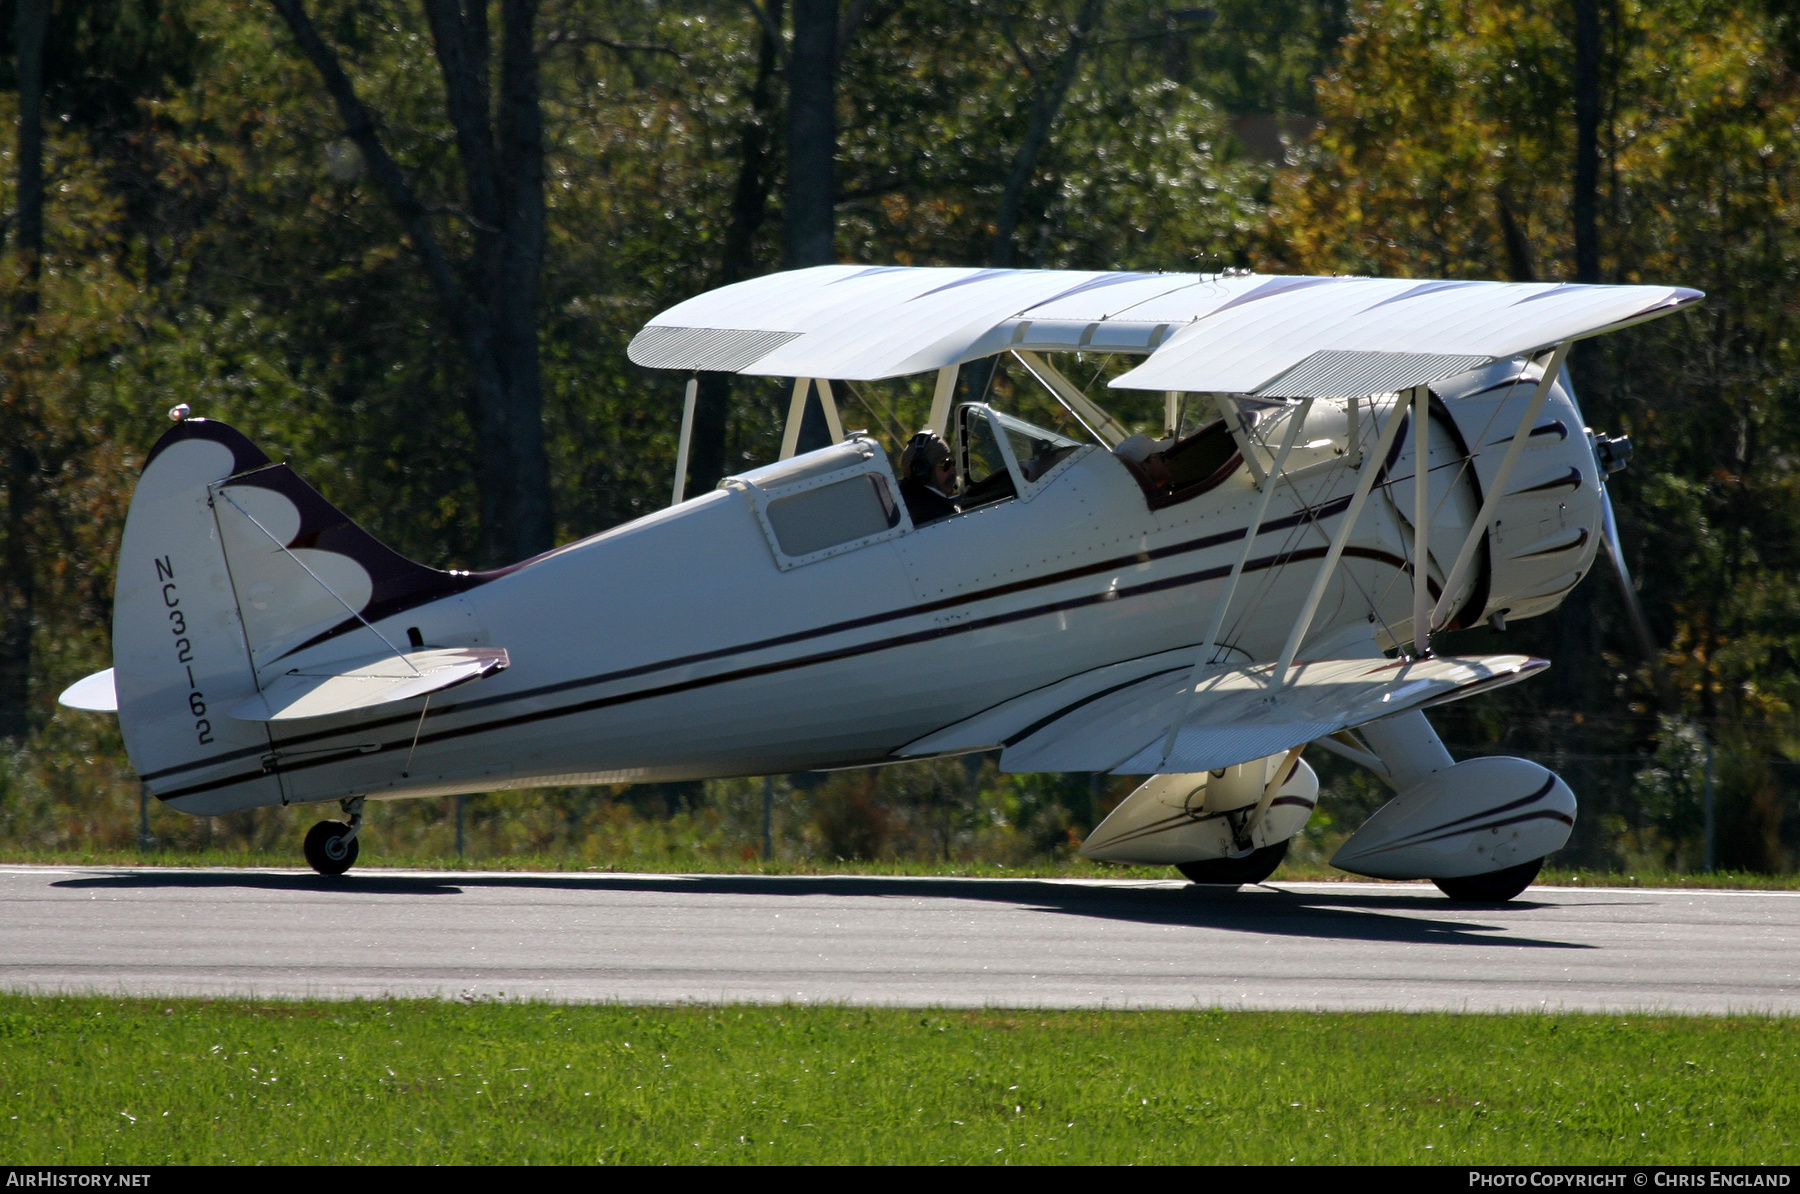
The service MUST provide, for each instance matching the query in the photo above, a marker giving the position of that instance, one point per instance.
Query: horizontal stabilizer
(1235, 716)
(362, 683)
(96, 693)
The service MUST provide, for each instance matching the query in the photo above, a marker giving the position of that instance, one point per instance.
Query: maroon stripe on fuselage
(886, 644)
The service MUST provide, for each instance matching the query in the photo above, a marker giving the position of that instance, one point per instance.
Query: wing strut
(687, 437)
(1371, 465)
(940, 400)
(1105, 427)
(803, 386)
(1204, 655)
(1497, 490)
(1242, 839)
(1421, 410)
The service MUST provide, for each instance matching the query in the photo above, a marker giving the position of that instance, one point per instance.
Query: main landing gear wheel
(1253, 867)
(1495, 887)
(330, 848)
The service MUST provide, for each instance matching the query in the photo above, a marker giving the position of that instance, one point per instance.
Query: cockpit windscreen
(1037, 449)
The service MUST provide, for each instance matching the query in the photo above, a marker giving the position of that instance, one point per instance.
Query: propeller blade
(1640, 626)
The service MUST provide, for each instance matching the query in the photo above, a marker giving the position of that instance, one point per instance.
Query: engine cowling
(1479, 816)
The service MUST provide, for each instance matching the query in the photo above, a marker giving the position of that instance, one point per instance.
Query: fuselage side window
(825, 503)
(815, 519)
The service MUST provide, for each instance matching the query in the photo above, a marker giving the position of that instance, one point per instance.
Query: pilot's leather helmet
(924, 452)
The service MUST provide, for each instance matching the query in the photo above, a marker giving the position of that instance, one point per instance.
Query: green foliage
(214, 240)
(1447, 149)
(132, 1082)
(1672, 793)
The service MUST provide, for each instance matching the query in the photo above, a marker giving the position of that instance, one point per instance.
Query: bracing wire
(406, 771)
(357, 614)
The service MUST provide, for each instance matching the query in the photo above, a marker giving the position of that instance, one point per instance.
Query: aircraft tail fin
(303, 573)
(228, 565)
(178, 647)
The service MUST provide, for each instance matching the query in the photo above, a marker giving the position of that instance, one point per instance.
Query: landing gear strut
(1253, 867)
(331, 846)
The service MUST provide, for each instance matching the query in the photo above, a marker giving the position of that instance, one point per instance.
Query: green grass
(114, 1081)
(1068, 868)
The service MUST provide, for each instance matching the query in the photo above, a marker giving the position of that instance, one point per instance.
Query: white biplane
(1196, 609)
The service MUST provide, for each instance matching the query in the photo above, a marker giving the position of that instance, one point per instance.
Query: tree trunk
(32, 24)
(1587, 140)
(490, 301)
(812, 137)
(737, 261)
(515, 290)
(18, 597)
(1045, 109)
(18, 592)
(750, 197)
(1578, 684)
(1518, 249)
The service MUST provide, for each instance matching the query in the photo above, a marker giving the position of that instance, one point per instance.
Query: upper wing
(1117, 719)
(1345, 337)
(1251, 333)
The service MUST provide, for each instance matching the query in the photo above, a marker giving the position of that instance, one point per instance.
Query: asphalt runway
(890, 941)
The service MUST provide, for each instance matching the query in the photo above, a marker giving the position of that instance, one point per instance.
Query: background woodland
(403, 244)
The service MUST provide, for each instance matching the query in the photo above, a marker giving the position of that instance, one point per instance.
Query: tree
(810, 218)
(1050, 90)
(489, 300)
(809, 221)
(87, 69)
(756, 163)
(22, 468)
(33, 21)
(1448, 150)
(1586, 198)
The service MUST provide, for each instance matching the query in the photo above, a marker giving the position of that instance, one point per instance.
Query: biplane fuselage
(678, 646)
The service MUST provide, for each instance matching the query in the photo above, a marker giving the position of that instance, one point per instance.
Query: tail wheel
(330, 849)
(1253, 867)
(1495, 887)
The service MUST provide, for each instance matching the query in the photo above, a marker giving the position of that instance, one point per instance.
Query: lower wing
(1117, 718)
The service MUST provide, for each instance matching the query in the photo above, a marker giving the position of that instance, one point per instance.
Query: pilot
(1148, 455)
(928, 480)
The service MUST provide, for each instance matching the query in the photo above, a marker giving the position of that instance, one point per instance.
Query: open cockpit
(1173, 470)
